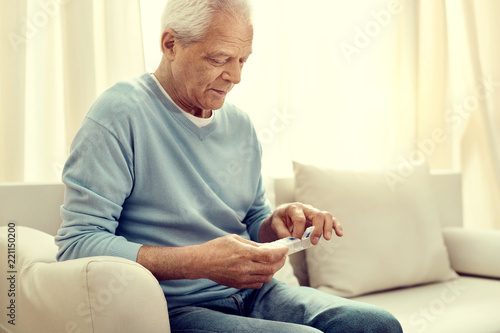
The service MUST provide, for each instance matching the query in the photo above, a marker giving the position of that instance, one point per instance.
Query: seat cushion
(463, 305)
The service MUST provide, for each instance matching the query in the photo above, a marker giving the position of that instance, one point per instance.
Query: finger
(321, 221)
(281, 228)
(270, 255)
(297, 217)
(328, 226)
(255, 281)
(318, 221)
(264, 272)
(249, 282)
(339, 231)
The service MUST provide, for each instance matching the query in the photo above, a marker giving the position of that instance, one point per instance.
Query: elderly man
(163, 172)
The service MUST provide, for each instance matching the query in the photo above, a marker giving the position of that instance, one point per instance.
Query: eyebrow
(217, 54)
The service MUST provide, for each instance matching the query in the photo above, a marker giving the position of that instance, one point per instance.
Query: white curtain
(56, 56)
(480, 149)
(331, 82)
(458, 96)
(374, 83)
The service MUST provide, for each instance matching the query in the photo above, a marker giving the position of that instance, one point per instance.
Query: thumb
(272, 253)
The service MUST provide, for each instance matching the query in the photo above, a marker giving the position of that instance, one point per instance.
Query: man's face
(204, 72)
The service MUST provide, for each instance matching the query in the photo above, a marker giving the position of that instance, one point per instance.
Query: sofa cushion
(93, 294)
(392, 234)
(463, 305)
(474, 251)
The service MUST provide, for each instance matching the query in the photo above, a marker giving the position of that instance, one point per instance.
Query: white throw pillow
(392, 232)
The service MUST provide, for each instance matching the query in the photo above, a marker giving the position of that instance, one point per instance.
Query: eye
(243, 60)
(218, 62)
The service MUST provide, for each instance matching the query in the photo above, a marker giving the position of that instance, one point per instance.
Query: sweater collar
(178, 113)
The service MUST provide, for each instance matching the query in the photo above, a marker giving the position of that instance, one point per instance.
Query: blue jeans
(277, 308)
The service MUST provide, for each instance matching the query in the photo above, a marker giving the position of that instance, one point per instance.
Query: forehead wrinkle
(231, 39)
(242, 35)
(228, 48)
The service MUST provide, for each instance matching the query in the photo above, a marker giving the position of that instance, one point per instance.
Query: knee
(380, 320)
(362, 318)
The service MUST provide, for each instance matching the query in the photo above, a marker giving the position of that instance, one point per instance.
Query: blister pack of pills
(294, 244)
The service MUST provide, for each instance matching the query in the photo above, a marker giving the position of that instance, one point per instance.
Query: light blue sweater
(140, 172)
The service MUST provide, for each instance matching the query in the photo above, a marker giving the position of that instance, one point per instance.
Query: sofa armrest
(474, 252)
(95, 294)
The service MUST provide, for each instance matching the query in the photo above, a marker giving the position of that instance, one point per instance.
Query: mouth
(220, 92)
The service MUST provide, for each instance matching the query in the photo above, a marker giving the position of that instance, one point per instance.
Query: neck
(164, 76)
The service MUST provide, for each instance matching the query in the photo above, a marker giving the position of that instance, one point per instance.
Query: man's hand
(236, 262)
(230, 260)
(293, 219)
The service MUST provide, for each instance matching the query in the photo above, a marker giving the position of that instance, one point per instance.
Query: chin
(215, 105)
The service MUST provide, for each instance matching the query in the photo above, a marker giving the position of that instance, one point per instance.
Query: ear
(168, 44)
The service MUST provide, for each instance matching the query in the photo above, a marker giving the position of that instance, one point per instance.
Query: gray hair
(190, 19)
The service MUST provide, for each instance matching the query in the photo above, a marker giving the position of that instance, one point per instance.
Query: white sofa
(98, 294)
(465, 304)
(105, 294)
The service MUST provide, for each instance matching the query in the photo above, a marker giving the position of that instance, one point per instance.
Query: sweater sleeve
(99, 177)
(261, 207)
(259, 211)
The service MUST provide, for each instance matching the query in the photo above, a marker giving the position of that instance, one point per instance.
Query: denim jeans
(277, 308)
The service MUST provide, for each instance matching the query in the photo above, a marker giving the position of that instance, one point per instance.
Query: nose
(232, 72)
